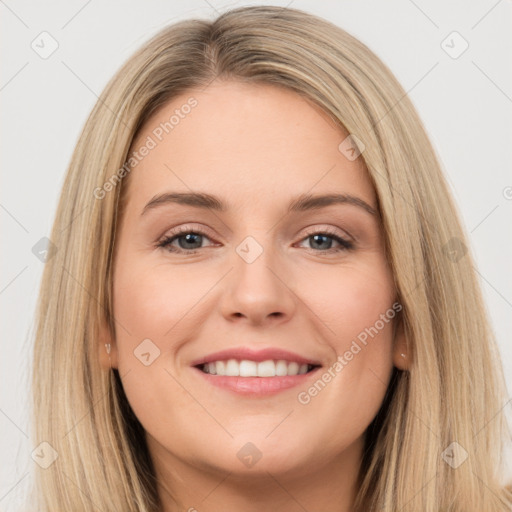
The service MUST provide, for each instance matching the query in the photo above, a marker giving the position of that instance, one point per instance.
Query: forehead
(242, 141)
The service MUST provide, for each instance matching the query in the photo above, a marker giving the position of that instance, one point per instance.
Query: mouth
(255, 373)
(264, 369)
(251, 379)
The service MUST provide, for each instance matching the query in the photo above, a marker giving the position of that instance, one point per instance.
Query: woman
(197, 350)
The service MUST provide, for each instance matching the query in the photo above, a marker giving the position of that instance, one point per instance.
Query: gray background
(465, 103)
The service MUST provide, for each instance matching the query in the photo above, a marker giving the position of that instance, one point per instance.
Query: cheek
(353, 307)
(153, 303)
(349, 301)
(149, 308)
(356, 306)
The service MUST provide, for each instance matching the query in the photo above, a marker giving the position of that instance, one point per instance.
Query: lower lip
(256, 386)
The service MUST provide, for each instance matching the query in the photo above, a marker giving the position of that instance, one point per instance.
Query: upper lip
(266, 354)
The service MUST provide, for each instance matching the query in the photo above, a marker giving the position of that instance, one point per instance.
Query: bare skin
(255, 147)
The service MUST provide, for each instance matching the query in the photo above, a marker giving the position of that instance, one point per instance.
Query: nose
(258, 292)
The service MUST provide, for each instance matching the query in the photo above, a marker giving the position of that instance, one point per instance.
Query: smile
(253, 379)
(248, 368)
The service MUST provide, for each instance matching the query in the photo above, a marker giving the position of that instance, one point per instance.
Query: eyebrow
(302, 203)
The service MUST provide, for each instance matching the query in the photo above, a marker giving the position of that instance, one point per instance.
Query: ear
(105, 342)
(401, 352)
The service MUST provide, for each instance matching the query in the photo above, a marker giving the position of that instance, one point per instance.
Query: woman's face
(274, 269)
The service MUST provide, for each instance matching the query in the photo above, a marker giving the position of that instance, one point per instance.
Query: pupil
(191, 238)
(316, 237)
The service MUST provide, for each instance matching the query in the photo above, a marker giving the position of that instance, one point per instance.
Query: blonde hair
(454, 390)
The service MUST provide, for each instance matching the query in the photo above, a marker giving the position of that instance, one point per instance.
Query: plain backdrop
(465, 102)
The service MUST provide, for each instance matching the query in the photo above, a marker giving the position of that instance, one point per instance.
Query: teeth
(246, 368)
(281, 368)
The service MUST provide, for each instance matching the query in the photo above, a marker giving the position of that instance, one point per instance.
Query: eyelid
(328, 230)
(174, 233)
(310, 230)
(345, 243)
(187, 228)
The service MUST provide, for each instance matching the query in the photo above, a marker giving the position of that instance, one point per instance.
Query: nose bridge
(257, 286)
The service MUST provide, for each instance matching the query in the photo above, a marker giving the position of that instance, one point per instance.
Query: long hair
(447, 407)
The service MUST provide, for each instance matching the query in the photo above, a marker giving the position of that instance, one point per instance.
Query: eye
(189, 241)
(323, 241)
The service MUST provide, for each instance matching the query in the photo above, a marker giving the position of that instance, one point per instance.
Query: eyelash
(165, 243)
